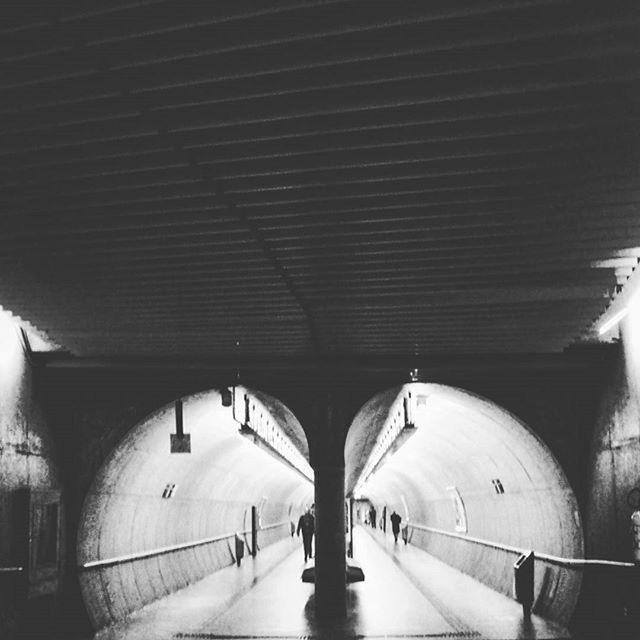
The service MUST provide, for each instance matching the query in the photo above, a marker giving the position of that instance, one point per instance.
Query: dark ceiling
(307, 179)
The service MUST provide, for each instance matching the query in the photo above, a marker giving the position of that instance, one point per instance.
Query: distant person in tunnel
(395, 525)
(307, 525)
(372, 516)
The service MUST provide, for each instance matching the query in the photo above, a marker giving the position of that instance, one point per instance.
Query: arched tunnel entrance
(156, 521)
(474, 486)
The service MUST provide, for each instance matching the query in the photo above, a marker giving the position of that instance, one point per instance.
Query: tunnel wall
(28, 459)
(216, 485)
(466, 443)
(613, 485)
(615, 451)
(91, 411)
(561, 410)
(555, 588)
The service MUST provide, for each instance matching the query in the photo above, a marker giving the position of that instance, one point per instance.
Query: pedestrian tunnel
(474, 487)
(155, 521)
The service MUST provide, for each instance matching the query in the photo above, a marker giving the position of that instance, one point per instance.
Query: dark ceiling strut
(402, 161)
(143, 163)
(295, 292)
(371, 18)
(278, 109)
(544, 226)
(412, 68)
(474, 114)
(174, 143)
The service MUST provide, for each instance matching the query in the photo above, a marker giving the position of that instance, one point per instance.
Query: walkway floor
(406, 594)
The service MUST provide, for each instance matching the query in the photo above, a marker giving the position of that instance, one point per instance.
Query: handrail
(565, 562)
(142, 555)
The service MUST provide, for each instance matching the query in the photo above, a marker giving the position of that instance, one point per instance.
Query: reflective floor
(406, 594)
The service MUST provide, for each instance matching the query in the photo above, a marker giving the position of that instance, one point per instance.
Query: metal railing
(577, 563)
(143, 555)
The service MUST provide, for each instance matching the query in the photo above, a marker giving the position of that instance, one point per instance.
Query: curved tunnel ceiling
(461, 441)
(510, 488)
(284, 418)
(214, 487)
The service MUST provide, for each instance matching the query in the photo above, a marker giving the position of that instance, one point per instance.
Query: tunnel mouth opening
(193, 488)
(474, 485)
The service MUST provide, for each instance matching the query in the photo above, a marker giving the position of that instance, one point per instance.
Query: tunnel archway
(155, 521)
(471, 472)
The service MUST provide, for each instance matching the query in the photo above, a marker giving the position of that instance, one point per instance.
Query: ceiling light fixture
(261, 429)
(613, 321)
(625, 292)
(397, 429)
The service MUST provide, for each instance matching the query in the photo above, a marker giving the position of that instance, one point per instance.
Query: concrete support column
(326, 414)
(330, 552)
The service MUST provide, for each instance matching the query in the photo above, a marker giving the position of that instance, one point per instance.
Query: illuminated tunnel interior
(473, 470)
(146, 499)
(473, 483)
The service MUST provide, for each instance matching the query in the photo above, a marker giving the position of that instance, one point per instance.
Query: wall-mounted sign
(459, 510)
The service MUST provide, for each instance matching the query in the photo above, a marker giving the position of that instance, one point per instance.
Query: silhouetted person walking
(395, 525)
(307, 525)
(372, 516)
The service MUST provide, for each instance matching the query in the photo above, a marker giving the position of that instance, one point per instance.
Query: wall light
(261, 428)
(626, 292)
(613, 321)
(397, 429)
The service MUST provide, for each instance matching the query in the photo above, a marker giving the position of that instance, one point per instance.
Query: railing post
(239, 549)
(254, 531)
(350, 553)
(523, 581)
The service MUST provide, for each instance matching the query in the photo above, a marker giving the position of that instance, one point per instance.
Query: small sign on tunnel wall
(169, 490)
(460, 511)
(497, 485)
(181, 443)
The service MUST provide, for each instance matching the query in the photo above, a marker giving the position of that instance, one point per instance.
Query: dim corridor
(406, 594)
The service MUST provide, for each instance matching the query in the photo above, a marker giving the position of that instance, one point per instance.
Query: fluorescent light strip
(262, 423)
(612, 322)
(389, 432)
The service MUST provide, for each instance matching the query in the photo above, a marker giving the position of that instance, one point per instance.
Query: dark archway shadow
(330, 628)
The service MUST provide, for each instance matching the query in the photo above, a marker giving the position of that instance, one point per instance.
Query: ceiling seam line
(143, 108)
